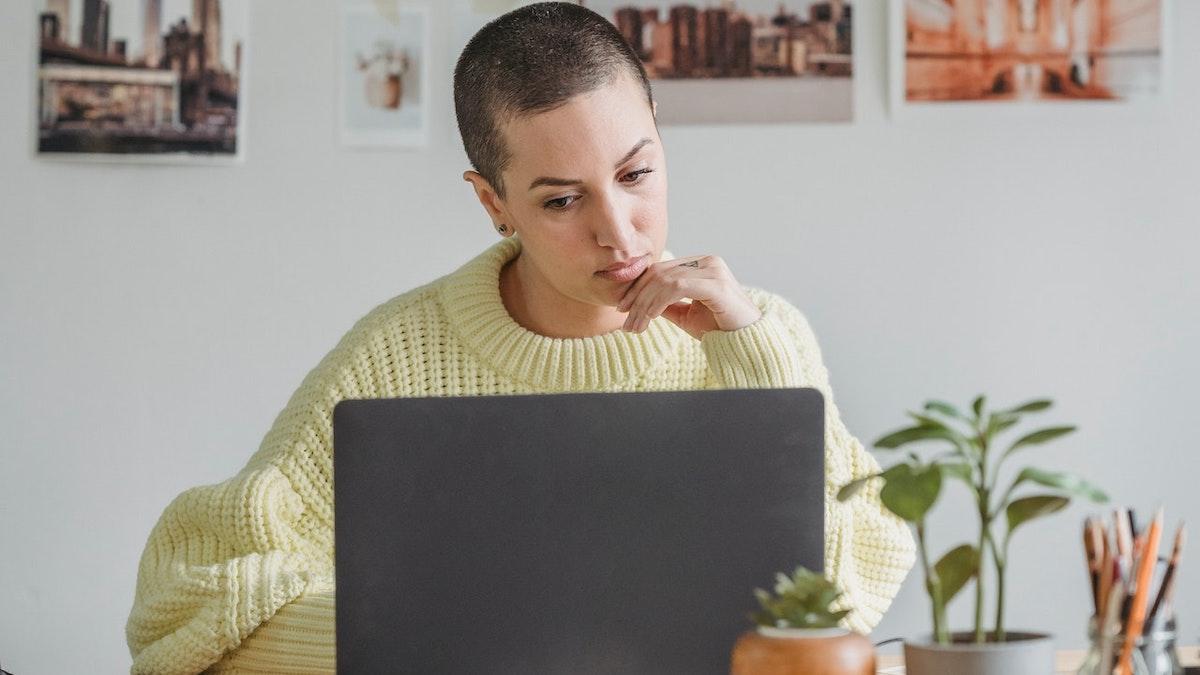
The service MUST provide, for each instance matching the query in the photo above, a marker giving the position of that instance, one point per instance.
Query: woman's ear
(487, 197)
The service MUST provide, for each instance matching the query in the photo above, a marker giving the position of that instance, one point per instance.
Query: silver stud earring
(502, 228)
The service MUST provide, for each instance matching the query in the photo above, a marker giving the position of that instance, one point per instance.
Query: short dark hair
(532, 60)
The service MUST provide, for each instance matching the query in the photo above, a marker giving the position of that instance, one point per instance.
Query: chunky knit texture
(238, 576)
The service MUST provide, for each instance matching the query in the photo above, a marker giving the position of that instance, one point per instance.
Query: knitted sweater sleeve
(868, 551)
(299, 640)
(227, 561)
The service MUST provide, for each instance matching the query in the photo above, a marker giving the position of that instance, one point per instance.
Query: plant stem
(979, 636)
(933, 586)
(1001, 564)
(983, 495)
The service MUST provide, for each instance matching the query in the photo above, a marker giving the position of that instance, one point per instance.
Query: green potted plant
(797, 632)
(969, 454)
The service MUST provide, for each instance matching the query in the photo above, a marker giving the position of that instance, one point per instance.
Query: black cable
(877, 644)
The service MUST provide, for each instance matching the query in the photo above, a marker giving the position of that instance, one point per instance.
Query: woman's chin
(614, 292)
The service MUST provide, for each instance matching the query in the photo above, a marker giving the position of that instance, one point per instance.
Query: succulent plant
(803, 600)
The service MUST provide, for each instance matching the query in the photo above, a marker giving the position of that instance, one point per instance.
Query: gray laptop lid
(568, 533)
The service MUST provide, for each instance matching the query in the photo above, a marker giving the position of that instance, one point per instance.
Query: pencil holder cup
(1155, 653)
(1158, 650)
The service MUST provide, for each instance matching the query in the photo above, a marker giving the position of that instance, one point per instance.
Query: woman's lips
(629, 272)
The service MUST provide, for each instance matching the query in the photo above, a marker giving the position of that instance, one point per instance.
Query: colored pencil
(1091, 550)
(1141, 590)
(1167, 587)
(1124, 536)
(1106, 574)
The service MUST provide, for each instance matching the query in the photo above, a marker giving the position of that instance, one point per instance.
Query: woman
(557, 118)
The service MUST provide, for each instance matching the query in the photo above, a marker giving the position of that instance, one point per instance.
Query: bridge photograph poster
(1028, 51)
(727, 61)
(141, 79)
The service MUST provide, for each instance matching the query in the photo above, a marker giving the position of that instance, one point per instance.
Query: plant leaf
(943, 408)
(959, 470)
(909, 492)
(1038, 437)
(998, 422)
(1027, 508)
(1036, 405)
(977, 406)
(1067, 482)
(955, 569)
(802, 600)
(913, 434)
(952, 434)
(927, 421)
(854, 487)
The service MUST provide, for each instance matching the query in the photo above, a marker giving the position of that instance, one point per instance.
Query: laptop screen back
(569, 533)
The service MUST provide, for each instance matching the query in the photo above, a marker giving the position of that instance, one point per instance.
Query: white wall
(154, 320)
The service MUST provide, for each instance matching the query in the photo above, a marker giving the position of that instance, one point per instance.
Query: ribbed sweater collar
(471, 298)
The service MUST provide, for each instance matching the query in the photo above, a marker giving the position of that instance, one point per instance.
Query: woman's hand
(717, 300)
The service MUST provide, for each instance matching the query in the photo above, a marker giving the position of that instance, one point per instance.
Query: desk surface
(1066, 662)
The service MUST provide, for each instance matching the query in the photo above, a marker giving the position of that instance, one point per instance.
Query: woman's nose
(614, 226)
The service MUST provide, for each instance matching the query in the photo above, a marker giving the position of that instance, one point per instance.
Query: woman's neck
(539, 307)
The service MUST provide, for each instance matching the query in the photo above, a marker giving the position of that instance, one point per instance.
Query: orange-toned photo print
(1032, 50)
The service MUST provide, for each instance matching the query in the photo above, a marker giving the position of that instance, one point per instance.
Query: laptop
(569, 533)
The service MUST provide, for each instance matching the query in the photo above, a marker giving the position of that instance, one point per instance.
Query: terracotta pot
(384, 91)
(802, 651)
(1025, 653)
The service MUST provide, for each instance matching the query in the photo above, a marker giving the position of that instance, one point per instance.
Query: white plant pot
(1024, 653)
(801, 633)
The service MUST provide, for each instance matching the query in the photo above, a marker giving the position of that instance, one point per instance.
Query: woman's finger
(661, 281)
(677, 312)
(688, 287)
(673, 286)
(652, 272)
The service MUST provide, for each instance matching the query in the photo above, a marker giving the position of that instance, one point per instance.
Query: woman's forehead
(595, 128)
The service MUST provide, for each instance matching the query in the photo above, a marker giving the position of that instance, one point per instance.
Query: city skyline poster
(384, 73)
(1029, 51)
(141, 80)
(727, 61)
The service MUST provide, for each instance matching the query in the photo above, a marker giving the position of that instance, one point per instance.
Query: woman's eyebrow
(633, 151)
(544, 180)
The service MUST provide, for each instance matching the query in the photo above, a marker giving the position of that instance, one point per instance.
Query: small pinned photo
(141, 80)
(727, 61)
(384, 75)
(1028, 52)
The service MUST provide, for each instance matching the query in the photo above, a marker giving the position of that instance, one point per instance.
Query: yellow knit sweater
(238, 576)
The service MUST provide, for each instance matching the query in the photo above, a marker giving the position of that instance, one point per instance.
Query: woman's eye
(637, 175)
(561, 203)
(558, 204)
